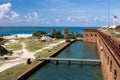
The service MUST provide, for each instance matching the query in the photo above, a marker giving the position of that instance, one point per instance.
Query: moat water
(78, 49)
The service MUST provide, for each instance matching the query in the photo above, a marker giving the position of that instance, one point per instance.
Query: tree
(66, 36)
(3, 51)
(54, 32)
(1, 39)
(59, 35)
(78, 34)
(72, 36)
(39, 33)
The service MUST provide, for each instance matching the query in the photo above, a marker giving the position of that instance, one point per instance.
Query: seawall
(30, 71)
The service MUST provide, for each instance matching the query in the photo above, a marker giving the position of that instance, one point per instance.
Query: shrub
(39, 33)
(3, 51)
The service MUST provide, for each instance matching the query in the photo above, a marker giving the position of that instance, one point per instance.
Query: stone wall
(90, 35)
(110, 62)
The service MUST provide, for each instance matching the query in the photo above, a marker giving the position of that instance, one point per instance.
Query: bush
(79, 34)
(3, 51)
(57, 35)
(1, 39)
(72, 36)
(51, 35)
(39, 33)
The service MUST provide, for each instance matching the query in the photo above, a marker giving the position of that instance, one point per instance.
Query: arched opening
(108, 60)
(91, 35)
(115, 75)
(95, 34)
(110, 66)
(86, 34)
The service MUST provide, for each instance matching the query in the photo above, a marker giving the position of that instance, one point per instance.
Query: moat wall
(110, 64)
(30, 71)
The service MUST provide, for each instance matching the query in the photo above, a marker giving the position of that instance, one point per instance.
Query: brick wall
(110, 62)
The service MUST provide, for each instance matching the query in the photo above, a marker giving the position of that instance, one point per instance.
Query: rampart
(109, 52)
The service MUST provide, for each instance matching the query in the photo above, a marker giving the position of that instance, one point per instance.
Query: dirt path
(26, 54)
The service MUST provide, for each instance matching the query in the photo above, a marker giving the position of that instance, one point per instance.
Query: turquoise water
(29, 30)
(61, 71)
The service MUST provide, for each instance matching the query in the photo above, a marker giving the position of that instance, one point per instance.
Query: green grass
(118, 36)
(14, 72)
(48, 52)
(9, 58)
(14, 46)
(38, 45)
(111, 32)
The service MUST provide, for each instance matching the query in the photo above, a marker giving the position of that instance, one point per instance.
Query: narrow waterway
(61, 71)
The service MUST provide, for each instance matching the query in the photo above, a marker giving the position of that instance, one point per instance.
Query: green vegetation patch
(8, 58)
(14, 46)
(48, 52)
(33, 46)
(14, 72)
(3, 50)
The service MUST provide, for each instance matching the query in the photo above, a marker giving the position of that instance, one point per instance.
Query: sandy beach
(17, 36)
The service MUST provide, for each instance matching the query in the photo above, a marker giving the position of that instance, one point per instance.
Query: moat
(78, 49)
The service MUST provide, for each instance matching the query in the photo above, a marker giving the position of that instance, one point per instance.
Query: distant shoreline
(7, 31)
(17, 36)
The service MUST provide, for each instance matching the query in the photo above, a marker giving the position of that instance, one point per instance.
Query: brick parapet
(107, 52)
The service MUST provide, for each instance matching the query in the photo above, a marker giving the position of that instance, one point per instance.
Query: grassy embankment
(33, 46)
(38, 45)
(111, 32)
(14, 46)
(14, 72)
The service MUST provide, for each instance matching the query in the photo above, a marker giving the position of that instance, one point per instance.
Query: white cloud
(7, 15)
(71, 19)
(32, 17)
(14, 15)
(4, 9)
(95, 19)
(77, 18)
(57, 20)
(35, 16)
(82, 18)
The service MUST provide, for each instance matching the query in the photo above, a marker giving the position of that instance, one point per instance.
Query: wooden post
(67, 62)
(28, 61)
(80, 63)
(56, 62)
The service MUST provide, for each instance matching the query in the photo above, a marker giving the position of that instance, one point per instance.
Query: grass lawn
(14, 46)
(38, 45)
(9, 58)
(48, 52)
(14, 72)
(111, 32)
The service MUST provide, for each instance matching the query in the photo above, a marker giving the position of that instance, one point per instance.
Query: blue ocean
(29, 30)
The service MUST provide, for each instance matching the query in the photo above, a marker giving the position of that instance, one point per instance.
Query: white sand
(18, 36)
(26, 54)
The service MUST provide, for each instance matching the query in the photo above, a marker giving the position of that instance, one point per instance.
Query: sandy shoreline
(17, 36)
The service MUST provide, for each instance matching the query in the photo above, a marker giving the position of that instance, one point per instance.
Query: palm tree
(66, 35)
(54, 32)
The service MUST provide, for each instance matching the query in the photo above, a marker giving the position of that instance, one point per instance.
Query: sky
(82, 13)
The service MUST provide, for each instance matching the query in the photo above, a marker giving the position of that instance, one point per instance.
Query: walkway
(71, 59)
(26, 54)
